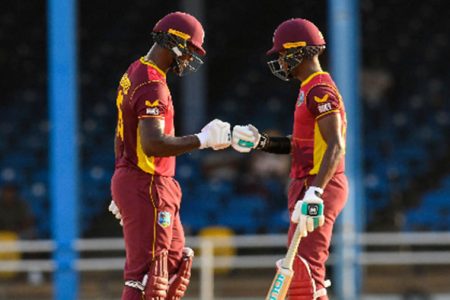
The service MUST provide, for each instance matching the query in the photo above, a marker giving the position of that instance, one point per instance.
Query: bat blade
(283, 277)
(280, 284)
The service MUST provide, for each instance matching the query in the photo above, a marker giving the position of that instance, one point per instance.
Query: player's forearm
(170, 146)
(276, 145)
(330, 162)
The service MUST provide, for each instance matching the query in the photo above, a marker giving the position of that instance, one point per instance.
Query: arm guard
(277, 145)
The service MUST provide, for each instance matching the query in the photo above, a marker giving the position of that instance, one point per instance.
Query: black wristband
(277, 145)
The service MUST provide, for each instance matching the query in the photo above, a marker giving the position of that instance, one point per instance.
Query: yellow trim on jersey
(145, 163)
(149, 116)
(328, 112)
(180, 34)
(119, 127)
(294, 44)
(311, 77)
(344, 133)
(152, 64)
(319, 150)
(155, 210)
(125, 83)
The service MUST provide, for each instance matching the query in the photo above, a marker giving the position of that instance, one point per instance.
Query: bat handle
(288, 261)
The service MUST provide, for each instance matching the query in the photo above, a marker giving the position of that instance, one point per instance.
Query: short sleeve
(323, 100)
(151, 100)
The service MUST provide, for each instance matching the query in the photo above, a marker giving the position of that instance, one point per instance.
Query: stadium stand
(406, 112)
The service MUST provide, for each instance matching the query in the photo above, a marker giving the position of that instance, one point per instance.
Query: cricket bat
(283, 277)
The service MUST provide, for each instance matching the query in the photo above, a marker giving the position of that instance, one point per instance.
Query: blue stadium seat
(240, 221)
(392, 154)
(195, 219)
(278, 221)
(245, 214)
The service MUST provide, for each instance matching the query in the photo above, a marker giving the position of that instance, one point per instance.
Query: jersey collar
(312, 76)
(154, 66)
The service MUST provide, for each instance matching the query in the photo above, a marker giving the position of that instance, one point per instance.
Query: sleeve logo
(321, 100)
(153, 111)
(151, 104)
(152, 107)
(324, 107)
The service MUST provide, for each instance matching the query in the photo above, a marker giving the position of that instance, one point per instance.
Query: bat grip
(288, 261)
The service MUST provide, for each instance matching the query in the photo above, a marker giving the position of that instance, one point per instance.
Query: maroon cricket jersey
(318, 98)
(143, 93)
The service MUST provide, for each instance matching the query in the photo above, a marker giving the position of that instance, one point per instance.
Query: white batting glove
(245, 138)
(115, 211)
(309, 211)
(216, 134)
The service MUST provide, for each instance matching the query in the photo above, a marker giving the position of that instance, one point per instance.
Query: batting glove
(245, 138)
(216, 134)
(115, 211)
(309, 211)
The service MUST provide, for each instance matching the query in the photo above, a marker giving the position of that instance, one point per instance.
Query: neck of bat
(292, 250)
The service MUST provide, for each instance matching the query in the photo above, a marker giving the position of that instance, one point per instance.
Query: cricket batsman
(318, 188)
(146, 196)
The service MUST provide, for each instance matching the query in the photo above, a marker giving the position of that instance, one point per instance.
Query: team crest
(301, 98)
(164, 219)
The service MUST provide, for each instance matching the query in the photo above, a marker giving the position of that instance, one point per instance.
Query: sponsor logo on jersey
(324, 107)
(301, 98)
(164, 219)
(151, 104)
(320, 100)
(153, 111)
